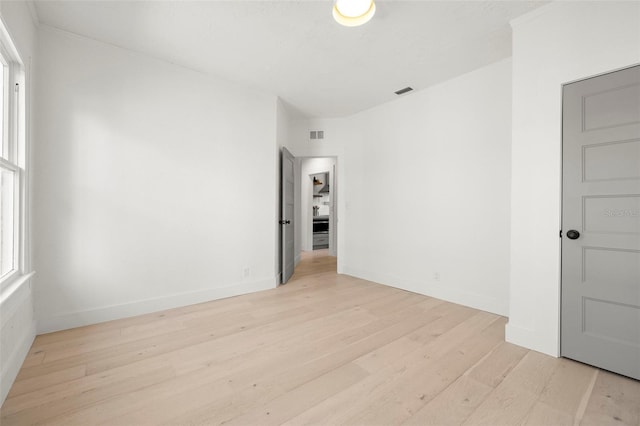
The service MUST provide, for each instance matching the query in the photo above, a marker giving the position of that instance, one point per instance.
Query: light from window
(3, 99)
(7, 224)
(11, 167)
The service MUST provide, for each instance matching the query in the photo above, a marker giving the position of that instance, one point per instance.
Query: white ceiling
(295, 50)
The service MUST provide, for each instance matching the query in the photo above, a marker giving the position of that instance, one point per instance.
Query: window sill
(13, 283)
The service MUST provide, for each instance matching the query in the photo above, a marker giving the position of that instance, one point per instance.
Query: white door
(287, 225)
(601, 222)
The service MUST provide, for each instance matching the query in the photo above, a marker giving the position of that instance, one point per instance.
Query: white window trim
(17, 127)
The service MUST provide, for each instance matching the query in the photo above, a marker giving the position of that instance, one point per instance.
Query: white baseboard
(439, 291)
(527, 338)
(68, 320)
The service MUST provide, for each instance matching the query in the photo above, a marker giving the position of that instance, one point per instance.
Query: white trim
(8, 43)
(437, 290)
(68, 320)
(9, 165)
(15, 122)
(527, 338)
(12, 287)
(16, 296)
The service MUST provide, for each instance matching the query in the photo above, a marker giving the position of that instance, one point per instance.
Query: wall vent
(316, 134)
(403, 91)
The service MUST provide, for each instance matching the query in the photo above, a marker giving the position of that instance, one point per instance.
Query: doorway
(318, 210)
(600, 312)
(321, 209)
(297, 206)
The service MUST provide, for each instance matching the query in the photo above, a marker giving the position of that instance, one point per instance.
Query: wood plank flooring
(323, 349)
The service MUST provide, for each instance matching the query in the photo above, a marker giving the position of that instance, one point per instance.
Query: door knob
(285, 222)
(573, 234)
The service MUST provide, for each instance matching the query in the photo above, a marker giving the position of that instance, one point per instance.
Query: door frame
(308, 230)
(334, 221)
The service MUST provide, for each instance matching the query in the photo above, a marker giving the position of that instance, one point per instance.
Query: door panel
(611, 213)
(600, 322)
(614, 107)
(287, 225)
(598, 159)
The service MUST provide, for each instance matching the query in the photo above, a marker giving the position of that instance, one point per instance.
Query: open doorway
(321, 209)
(308, 213)
(318, 204)
(317, 208)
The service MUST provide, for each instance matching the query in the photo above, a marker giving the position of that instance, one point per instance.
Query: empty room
(336, 212)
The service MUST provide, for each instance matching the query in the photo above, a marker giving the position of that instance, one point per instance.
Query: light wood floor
(323, 349)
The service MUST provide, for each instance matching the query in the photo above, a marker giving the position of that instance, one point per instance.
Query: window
(12, 161)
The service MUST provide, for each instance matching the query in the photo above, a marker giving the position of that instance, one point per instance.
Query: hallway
(316, 262)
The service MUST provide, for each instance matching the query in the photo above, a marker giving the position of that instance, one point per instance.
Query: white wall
(283, 126)
(154, 185)
(557, 44)
(428, 191)
(341, 141)
(290, 128)
(17, 322)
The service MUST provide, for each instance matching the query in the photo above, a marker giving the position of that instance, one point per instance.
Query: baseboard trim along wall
(107, 313)
(439, 291)
(528, 338)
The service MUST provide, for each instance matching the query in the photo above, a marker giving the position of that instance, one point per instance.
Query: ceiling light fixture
(353, 13)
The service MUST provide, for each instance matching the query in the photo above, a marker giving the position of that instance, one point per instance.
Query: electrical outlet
(436, 276)
(246, 272)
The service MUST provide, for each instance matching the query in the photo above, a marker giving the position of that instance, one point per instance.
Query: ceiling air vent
(316, 134)
(403, 91)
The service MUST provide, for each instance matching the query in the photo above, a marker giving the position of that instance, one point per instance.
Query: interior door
(601, 222)
(287, 225)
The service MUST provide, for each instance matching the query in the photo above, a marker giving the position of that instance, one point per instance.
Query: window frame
(14, 113)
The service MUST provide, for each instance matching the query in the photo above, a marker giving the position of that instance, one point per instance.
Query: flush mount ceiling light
(352, 13)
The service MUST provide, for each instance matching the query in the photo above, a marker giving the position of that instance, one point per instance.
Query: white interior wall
(557, 44)
(152, 188)
(429, 211)
(283, 129)
(297, 210)
(341, 139)
(17, 319)
(289, 131)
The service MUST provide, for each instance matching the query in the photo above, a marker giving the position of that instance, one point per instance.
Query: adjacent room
(363, 212)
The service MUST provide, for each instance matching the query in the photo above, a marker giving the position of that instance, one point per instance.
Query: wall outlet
(436, 276)
(246, 272)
